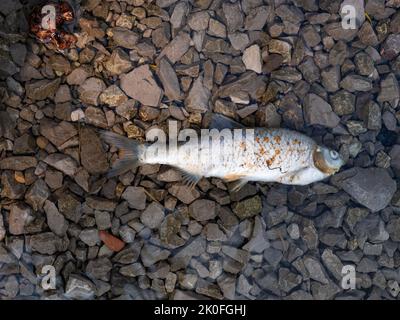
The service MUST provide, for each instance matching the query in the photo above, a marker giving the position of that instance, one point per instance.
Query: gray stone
(37, 194)
(99, 268)
(2, 229)
(324, 291)
(252, 58)
(258, 242)
(20, 217)
(169, 80)
(181, 259)
(367, 35)
(257, 17)
(176, 48)
(330, 78)
(332, 263)
(140, 85)
(55, 220)
(389, 90)
(318, 111)
(62, 162)
(133, 270)
(42, 89)
(178, 15)
(90, 90)
(372, 187)
(282, 48)
(393, 228)
(315, 270)
(113, 96)
(343, 102)
(19, 163)
(123, 37)
(203, 210)
(198, 21)
(79, 288)
(309, 70)
(391, 46)
(233, 16)
(288, 280)
(216, 28)
(93, 157)
(239, 41)
(153, 216)
(90, 237)
(151, 254)
(198, 97)
(48, 243)
(57, 133)
(227, 284)
(103, 219)
(365, 64)
(354, 83)
(136, 197)
(118, 62)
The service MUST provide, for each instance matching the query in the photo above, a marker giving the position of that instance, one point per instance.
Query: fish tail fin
(130, 150)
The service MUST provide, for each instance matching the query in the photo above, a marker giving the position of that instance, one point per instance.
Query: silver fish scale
(269, 154)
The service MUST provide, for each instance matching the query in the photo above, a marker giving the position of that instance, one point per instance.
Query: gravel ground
(144, 234)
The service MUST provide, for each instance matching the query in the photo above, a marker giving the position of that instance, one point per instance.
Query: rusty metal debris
(47, 23)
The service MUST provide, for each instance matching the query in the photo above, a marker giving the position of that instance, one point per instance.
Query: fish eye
(334, 154)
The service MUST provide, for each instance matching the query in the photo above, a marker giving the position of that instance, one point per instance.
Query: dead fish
(266, 155)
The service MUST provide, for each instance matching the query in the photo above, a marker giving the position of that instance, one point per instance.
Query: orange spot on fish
(277, 139)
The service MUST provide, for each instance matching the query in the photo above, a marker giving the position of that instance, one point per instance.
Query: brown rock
(57, 133)
(42, 89)
(96, 117)
(59, 64)
(37, 194)
(112, 243)
(140, 85)
(118, 62)
(93, 157)
(18, 163)
(113, 96)
(123, 37)
(78, 76)
(184, 193)
(90, 90)
(11, 189)
(176, 48)
(20, 216)
(203, 210)
(169, 80)
(62, 162)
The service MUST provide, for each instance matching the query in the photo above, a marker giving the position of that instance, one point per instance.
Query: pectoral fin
(190, 179)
